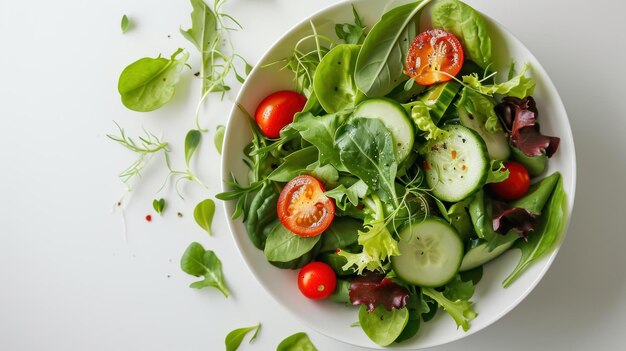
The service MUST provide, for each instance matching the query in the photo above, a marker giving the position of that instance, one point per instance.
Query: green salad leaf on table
(398, 167)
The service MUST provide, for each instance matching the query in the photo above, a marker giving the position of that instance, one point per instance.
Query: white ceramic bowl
(491, 301)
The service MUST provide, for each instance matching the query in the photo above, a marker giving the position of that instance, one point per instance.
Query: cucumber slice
(394, 117)
(480, 254)
(497, 142)
(439, 97)
(430, 253)
(457, 166)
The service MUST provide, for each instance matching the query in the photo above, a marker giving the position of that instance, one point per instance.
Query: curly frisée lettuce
(395, 182)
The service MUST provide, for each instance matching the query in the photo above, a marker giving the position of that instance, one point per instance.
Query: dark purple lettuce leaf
(374, 289)
(519, 118)
(506, 218)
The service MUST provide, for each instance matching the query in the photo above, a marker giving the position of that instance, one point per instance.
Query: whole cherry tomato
(515, 186)
(317, 280)
(277, 110)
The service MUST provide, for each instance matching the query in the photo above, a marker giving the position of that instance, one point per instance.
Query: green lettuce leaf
(423, 121)
(518, 86)
(477, 104)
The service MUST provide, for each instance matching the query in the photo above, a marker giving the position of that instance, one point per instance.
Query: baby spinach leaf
(342, 233)
(192, 140)
(235, 337)
(382, 326)
(380, 65)
(333, 83)
(158, 205)
(125, 24)
(366, 149)
(460, 310)
(296, 342)
(547, 236)
(467, 25)
(284, 246)
(294, 164)
(149, 83)
(260, 214)
(199, 262)
(320, 131)
(460, 218)
(218, 139)
(203, 214)
(351, 33)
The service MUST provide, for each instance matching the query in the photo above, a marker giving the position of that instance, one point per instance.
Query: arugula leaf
(159, 205)
(125, 24)
(519, 86)
(204, 36)
(320, 131)
(458, 289)
(383, 326)
(351, 33)
(497, 172)
(380, 65)
(366, 149)
(235, 337)
(192, 140)
(467, 25)
(218, 139)
(203, 214)
(460, 310)
(296, 342)
(352, 194)
(547, 237)
(199, 262)
(284, 246)
(149, 83)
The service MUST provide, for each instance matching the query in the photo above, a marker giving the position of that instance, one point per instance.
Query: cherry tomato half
(515, 186)
(317, 280)
(432, 52)
(303, 208)
(277, 110)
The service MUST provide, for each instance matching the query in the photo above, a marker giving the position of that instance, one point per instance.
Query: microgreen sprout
(147, 146)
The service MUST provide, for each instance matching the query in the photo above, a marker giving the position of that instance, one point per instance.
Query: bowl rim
(548, 84)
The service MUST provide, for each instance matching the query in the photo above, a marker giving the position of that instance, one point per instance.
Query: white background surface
(69, 281)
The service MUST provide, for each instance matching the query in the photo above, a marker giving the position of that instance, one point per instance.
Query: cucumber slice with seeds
(394, 117)
(430, 253)
(457, 166)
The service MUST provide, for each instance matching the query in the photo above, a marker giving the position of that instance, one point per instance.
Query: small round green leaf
(203, 214)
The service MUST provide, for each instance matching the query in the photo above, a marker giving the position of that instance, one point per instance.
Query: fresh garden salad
(398, 166)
